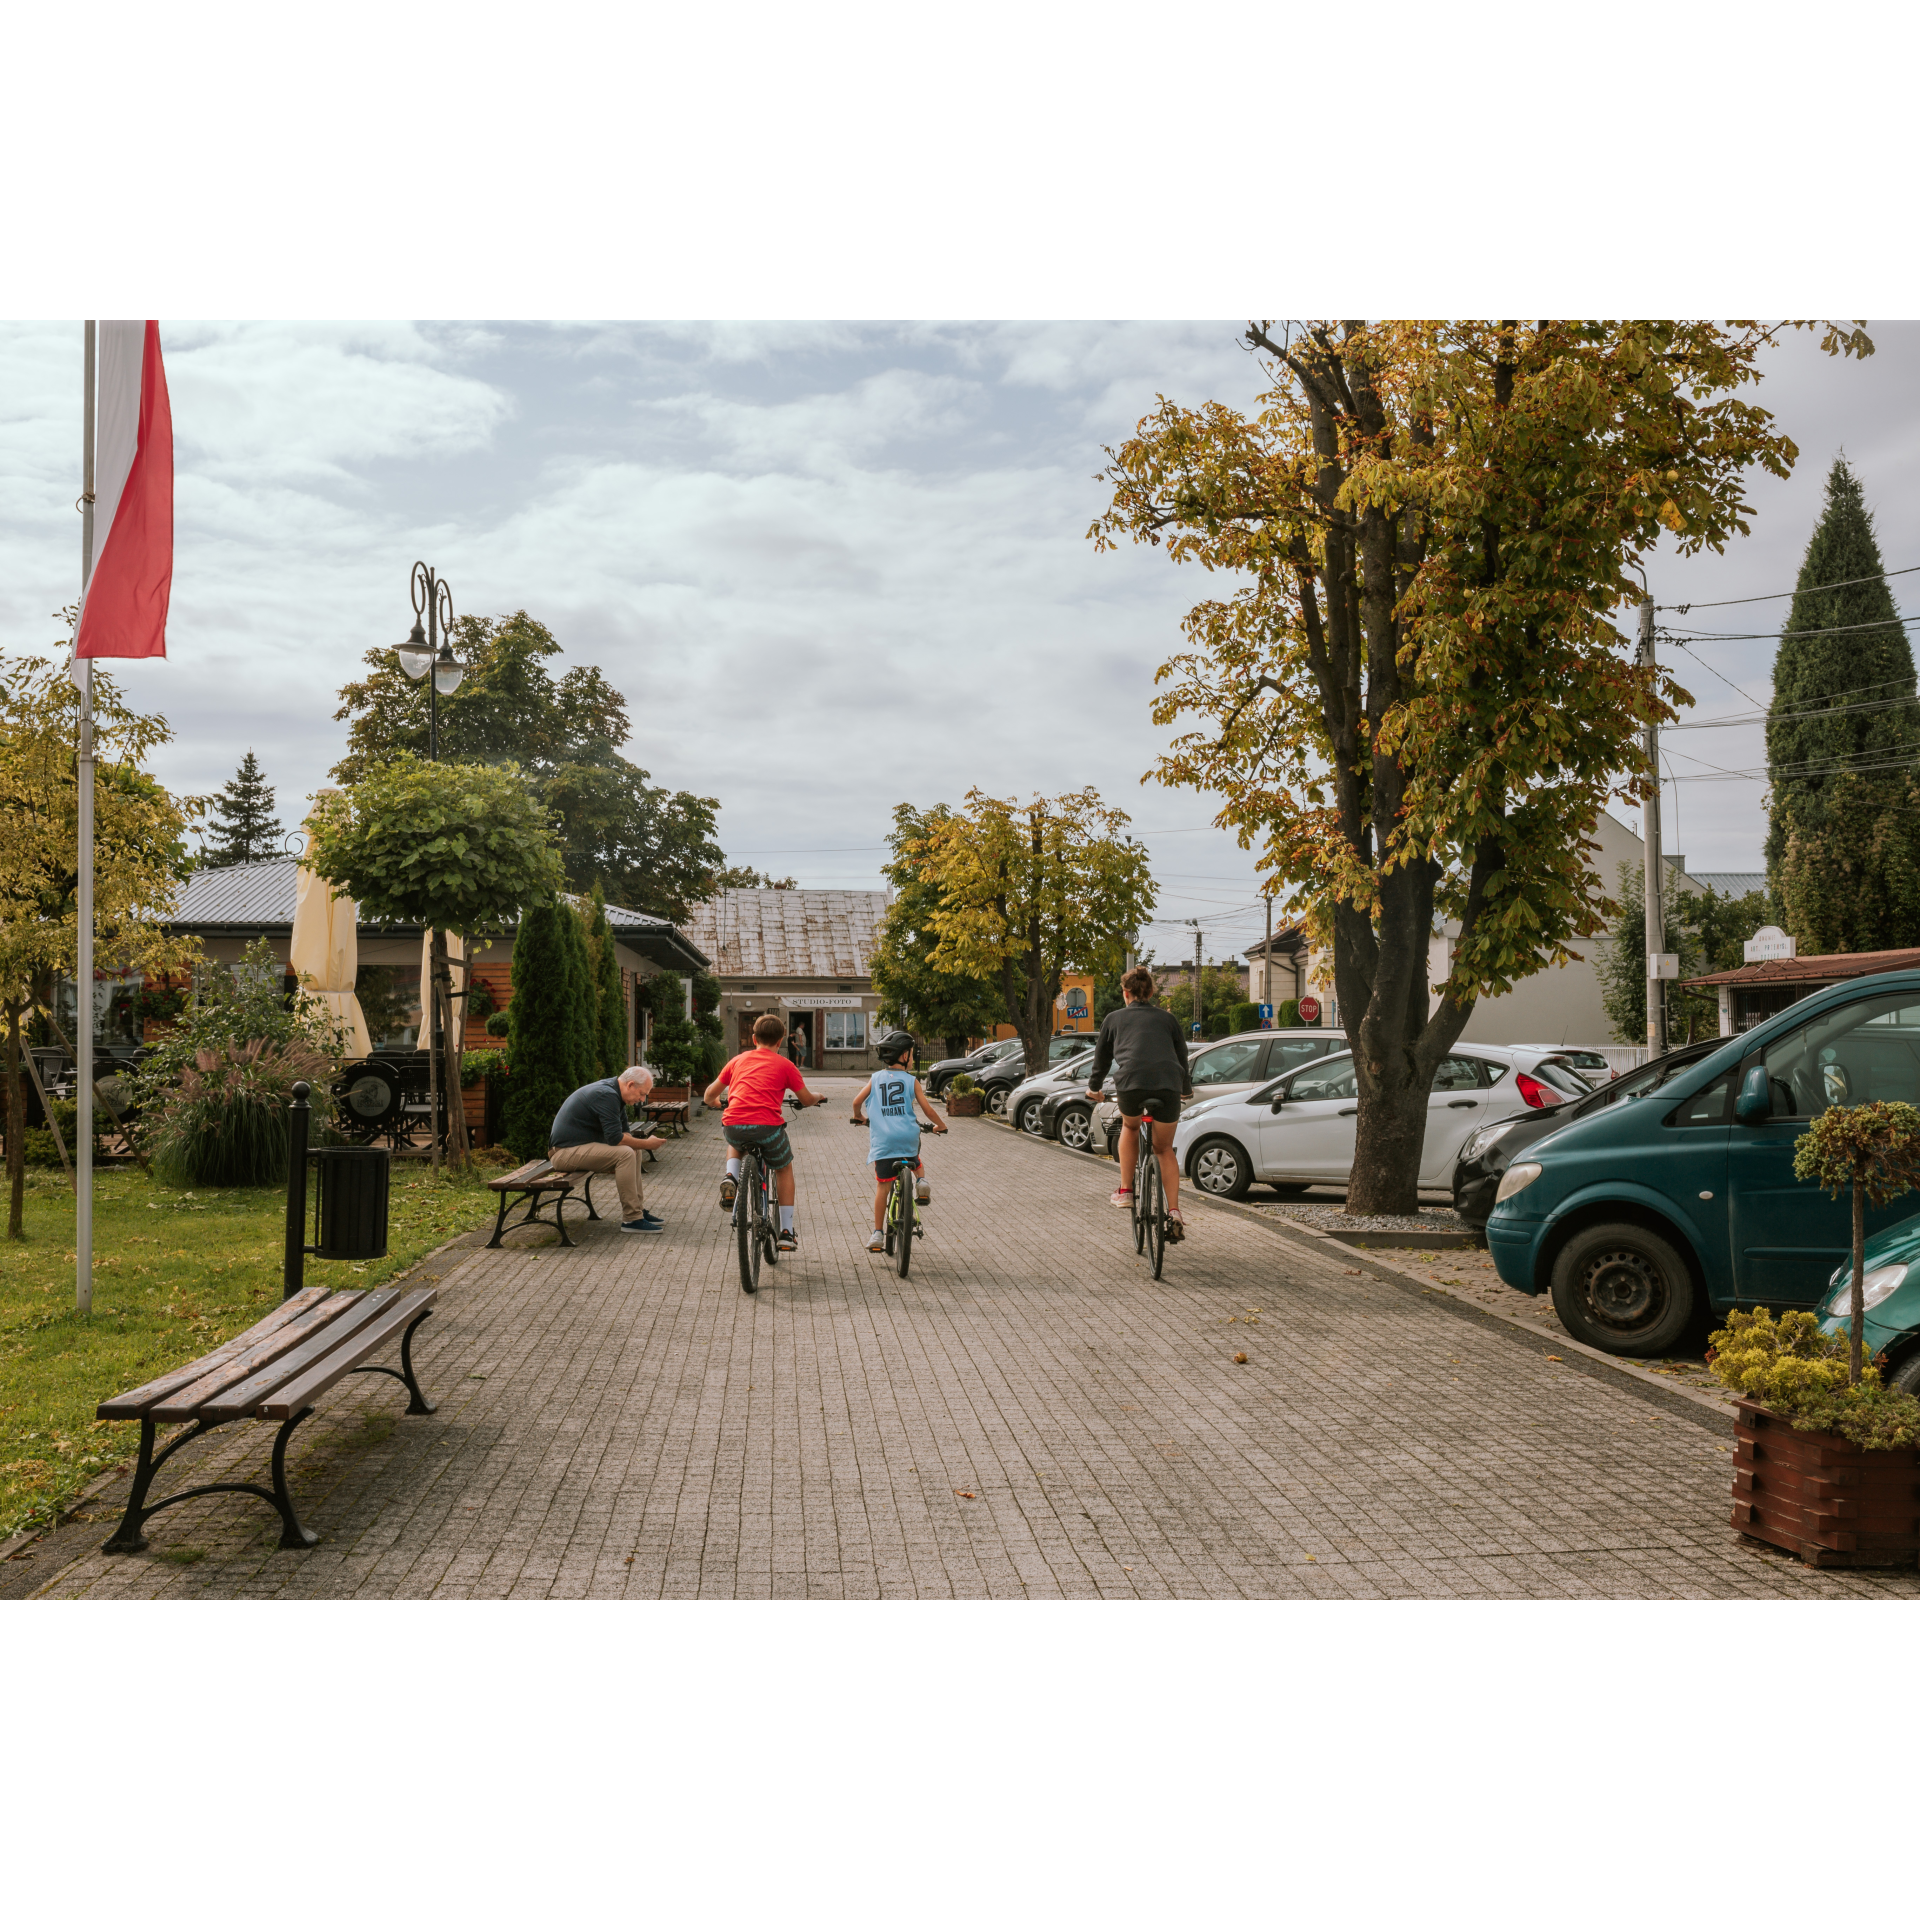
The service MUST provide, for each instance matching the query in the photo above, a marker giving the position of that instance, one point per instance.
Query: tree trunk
(16, 1129)
(447, 1063)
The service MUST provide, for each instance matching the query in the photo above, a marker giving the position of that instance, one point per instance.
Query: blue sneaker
(645, 1224)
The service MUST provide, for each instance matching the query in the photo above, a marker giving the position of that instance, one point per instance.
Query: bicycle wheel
(903, 1211)
(1143, 1172)
(747, 1240)
(1157, 1222)
(763, 1221)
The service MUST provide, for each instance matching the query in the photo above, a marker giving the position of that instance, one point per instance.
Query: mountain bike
(903, 1226)
(755, 1235)
(1149, 1202)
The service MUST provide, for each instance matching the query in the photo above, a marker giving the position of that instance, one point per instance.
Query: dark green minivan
(1684, 1203)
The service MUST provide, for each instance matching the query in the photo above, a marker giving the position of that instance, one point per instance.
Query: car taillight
(1536, 1093)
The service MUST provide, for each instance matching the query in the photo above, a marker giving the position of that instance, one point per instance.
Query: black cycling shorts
(1157, 1103)
(885, 1170)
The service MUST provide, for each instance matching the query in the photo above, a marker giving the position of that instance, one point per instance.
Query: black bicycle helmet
(894, 1047)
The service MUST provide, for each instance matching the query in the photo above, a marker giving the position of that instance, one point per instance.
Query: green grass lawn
(174, 1275)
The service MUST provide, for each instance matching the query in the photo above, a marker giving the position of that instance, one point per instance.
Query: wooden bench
(671, 1114)
(276, 1370)
(529, 1186)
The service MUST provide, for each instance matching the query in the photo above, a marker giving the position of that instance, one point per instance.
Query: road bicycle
(903, 1226)
(754, 1233)
(1149, 1202)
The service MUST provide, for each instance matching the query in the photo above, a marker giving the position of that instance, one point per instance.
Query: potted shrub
(1824, 1466)
(483, 1073)
(1827, 1459)
(964, 1098)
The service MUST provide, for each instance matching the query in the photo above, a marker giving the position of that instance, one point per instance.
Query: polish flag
(124, 614)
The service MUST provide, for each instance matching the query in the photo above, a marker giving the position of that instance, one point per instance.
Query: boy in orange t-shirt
(758, 1083)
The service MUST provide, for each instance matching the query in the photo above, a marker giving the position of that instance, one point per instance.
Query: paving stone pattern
(1029, 1416)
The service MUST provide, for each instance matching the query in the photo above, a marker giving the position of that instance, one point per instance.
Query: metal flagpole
(83, 969)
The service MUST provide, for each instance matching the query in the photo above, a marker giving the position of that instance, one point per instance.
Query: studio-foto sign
(820, 1000)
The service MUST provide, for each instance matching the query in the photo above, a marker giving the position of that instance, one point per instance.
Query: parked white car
(1243, 1063)
(1298, 1130)
(1592, 1067)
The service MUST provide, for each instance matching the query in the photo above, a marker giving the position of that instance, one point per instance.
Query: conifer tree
(540, 1029)
(583, 1039)
(610, 1013)
(1843, 737)
(244, 826)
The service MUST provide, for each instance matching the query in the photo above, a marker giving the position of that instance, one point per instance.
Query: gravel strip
(1335, 1220)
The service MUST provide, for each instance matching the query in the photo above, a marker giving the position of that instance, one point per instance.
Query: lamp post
(420, 657)
(433, 601)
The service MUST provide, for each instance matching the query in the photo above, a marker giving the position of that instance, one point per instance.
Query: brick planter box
(1822, 1497)
(964, 1106)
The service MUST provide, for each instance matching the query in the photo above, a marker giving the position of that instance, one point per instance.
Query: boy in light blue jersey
(896, 1095)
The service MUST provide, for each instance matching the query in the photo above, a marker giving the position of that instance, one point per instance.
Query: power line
(1681, 637)
(1752, 599)
(1796, 713)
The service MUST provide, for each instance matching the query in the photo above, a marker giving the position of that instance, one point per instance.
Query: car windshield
(1640, 1081)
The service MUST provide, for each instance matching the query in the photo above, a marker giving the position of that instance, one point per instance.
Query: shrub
(38, 1142)
(1793, 1369)
(213, 1094)
(540, 1034)
(487, 1064)
(1245, 1018)
(1217, 1028)
(500, 1024)
(480, 1003)
(1287, 1014)
(609, 1008)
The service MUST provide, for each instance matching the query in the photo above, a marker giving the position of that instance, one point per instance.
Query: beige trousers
(622, 1162)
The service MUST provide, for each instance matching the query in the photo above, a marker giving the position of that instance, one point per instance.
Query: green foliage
(480, 1002)
(583, 1054)
(540, 1030)
(243, 825)
(1219, 995)
(749, 879)
(500, 1024)
(651, 850)
(1245, 1018)
(1287, 1014)
(1843, 734)
(462, 847)
(962, 1084)
(609, 1008)
(1707, 930)
(952, 1005)
(1791, 1368)
(213, 1094)
(41, 1149)
(489, 1063)
(1873, 1148)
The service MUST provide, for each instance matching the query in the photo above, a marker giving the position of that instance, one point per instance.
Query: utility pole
(83, 967)
(1650, 834)
(1266, 958)
(1199, 1020)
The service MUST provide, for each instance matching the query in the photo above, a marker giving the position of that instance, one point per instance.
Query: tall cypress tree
(1843, 734)
(540, 1029)
(610, 1013)
(583, 1038)
(244, 826)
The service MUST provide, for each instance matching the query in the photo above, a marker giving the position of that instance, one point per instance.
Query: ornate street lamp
(433, 599)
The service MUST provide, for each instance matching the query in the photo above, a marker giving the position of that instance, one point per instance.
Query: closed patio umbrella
(325, 957)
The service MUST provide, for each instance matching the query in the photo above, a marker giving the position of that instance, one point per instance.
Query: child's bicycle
(903, 1221)
(753, 1227)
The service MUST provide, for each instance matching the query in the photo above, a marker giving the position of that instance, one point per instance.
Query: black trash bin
(352, 1202)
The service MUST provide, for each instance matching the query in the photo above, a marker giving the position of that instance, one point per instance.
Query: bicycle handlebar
(862, 1121)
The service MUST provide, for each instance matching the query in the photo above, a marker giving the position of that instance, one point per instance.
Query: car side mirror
(1755, 1102)
(1279, 1101)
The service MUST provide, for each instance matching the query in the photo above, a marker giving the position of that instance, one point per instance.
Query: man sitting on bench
(589, 1135)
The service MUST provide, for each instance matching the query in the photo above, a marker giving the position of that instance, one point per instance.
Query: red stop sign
(1309, 1010)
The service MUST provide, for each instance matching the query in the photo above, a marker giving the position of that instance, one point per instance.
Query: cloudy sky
(831, 566)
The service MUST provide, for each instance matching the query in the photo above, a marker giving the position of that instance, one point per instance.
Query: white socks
(733, 1166)
(786, 1219)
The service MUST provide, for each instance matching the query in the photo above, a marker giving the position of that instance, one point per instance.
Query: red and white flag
(124, 614)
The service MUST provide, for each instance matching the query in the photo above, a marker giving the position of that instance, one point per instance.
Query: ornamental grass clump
(1805, 1376)
(1874, 1149)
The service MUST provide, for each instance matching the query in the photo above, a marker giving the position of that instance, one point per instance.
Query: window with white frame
(846, 1032)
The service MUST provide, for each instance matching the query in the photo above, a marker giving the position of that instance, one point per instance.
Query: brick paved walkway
(620, 1420)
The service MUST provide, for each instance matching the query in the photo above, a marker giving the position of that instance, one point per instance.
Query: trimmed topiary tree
(1245, 1018)
(582, 1026)
(609, 1005)
(540, 1024)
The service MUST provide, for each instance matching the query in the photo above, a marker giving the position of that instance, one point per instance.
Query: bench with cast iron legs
(276, 1370)
(530, 1186)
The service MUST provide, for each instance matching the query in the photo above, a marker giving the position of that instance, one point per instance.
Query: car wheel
(1076, 1129)
(1220, 1168)
(1623, 1288)
(936, 1085)
(1905, 1378)
(1031, 1119)
(996, 1099)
